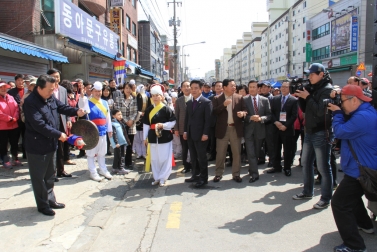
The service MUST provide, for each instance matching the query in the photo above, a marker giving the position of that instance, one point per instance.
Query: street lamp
(184, 58)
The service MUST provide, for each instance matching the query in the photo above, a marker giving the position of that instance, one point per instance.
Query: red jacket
(8, 109)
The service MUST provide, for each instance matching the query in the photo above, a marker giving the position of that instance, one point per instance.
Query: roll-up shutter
(9, 67)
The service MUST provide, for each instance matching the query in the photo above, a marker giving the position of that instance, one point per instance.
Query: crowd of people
(198, 122)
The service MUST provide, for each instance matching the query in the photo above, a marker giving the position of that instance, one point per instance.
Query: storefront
(18, 56)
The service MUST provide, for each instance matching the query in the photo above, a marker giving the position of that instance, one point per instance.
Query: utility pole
(175, 23)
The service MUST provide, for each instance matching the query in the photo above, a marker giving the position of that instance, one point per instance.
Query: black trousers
(199, 160)
(42, 175)
(128, 160)
(60, 156)
(12, 137)
(298, 133)
(285, 140)
(268, 144)
(349, 212)
(118, 162)
(21, 126)
(212, 142)
(185, 149)
(108, 144)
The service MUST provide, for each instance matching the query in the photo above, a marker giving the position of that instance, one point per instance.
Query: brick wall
(20, 18)
(131, 11)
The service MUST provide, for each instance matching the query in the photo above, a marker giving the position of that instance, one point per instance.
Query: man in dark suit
(62, 152)
(180, 114)
(257, 113)
(197, 126)
(229, 128)
(284, 114)
(212, 138)
(17, 93)
(41, 111)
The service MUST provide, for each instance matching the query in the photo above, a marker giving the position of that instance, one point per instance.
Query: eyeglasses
(347, 99)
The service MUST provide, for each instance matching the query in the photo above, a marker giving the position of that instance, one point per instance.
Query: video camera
(298, 84)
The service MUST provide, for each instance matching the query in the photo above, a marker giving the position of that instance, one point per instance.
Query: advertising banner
(116, 22)
(72, 22)
(354, 33)
(341, 32)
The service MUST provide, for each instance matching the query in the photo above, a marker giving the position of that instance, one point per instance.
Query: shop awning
(142, 71)
(339, 69)
(92, 48)
(25, 47)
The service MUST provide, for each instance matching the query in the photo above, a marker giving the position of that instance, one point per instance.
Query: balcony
(97, 7)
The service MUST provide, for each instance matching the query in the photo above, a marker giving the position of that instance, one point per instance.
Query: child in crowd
(119, 141)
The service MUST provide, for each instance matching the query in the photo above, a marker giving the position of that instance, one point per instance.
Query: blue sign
(72, 22)
(358, 73)
(354, 33)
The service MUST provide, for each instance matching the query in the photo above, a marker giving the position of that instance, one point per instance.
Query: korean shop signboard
(72, 22)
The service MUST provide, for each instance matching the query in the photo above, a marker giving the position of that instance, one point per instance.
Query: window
(321, 31)
(303, 49)
(294, 53)
(304, 5)
(134, 56)
(133, 3)
(123, 49)
(128, 23)
(303, 20)
(49, 14)
(321, 53)
(293, 26)
(128, 53)
(153, 43)
(293, 13)
(303, 35)
(133, 29)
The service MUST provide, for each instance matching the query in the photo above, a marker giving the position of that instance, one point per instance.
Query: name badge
(283, 117)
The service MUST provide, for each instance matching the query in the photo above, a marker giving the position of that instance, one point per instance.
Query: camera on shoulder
(299, 84)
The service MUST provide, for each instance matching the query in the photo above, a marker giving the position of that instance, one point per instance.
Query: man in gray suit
(257, 113)
(180, 114)
(60, 93)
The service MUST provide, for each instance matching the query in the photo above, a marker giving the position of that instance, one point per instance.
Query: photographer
(347, 204)
(318, 136)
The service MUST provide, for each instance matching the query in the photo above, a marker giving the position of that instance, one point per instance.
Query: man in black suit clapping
(196, 132)
(283, 116)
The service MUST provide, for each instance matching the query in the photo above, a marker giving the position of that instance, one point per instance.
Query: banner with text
(116, 22)
(354, 33)
(72, 22)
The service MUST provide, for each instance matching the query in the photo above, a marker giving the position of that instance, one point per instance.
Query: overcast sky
(218, 22)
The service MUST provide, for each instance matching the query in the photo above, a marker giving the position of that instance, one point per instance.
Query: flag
(119, 71)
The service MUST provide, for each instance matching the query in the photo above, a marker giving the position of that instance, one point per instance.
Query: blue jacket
(361, 131)
(118, 134)
(207, 95)
(42, 122)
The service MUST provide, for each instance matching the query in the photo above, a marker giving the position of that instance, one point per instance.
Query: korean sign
(116, 21)
(354, 33)
(116, 3)
(340, 32)
(71, 21)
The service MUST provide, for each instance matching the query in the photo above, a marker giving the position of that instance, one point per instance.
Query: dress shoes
(64, 174)
(217, 178)
(238, 179)
(47, 211)
(287, 173)
(253, 179)
(192, 179)
(185, 170)
(273, 170)
(211, 158)
(81, 155)
(56, 205)
(201, 183)
(56, 179)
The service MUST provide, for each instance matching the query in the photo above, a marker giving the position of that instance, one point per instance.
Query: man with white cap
(158, 121)
(99, 114)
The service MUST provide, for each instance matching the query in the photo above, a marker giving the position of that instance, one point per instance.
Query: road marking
(174, 217)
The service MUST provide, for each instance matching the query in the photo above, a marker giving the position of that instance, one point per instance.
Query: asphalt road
(129, 214)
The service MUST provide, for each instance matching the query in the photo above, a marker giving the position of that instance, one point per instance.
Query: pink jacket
(8, 109)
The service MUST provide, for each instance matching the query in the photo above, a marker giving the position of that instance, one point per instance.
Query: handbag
(367, 179)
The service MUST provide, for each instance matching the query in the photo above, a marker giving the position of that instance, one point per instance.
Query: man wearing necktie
(283, 116)
(257, 113)
(196, 132)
